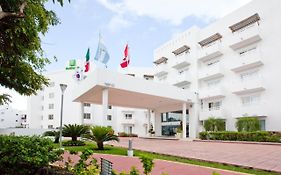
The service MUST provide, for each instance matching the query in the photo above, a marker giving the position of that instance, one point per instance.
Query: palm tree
(101, 134)
(56, 134)
(74, 131)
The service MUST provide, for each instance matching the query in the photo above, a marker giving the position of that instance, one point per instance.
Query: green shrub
(258, 136)
(73, 143)
(25, 154)
(74, 131)
(123, 134)
(214, 124)
(147, 164)
(134, 171)
(56, 134)
(248, 124)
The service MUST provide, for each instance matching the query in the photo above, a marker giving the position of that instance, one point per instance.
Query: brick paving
(266, 157)
(123, 163)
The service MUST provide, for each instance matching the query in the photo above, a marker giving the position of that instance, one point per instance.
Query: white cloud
(173, 11)
(18, 102)
(117, 23)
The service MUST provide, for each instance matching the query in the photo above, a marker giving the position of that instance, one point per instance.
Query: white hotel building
(226, 70)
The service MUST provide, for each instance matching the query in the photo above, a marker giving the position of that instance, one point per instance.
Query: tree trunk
(100, 145)
(74, 138)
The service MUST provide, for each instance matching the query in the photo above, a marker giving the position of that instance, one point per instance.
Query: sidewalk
(265, 157)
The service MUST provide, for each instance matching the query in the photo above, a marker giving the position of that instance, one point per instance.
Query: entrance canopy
(128, 91)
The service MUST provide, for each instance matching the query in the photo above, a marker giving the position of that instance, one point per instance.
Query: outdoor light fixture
(62, 87)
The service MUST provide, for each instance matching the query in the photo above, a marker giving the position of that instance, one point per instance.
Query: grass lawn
(122, 151)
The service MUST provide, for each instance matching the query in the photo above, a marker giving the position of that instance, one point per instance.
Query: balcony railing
(247, 61)
(245, 36)
(212, 92)
(210, 72)
(248, 86)
(128, 121)
(182, 79)
(209, 52)
(181, 61)
(161, 69)
(216, 113)
(250, 110)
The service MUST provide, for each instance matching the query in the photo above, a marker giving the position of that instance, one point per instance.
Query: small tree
(147, 164)
(101, 134)
(74, 131)
(56, 134)
(214, 124)
(248, 124)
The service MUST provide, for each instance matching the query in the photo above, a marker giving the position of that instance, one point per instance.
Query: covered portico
(111, 88)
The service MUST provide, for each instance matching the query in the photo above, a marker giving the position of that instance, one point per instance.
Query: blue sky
(144, 24)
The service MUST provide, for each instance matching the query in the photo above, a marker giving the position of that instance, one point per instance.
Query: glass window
(212, 106)
(42, 108)
(50, 126)
(51, 116)
(87, 104)
(109, 107)
(172, 116)
(109, 117)
(212, 62)
(262, 124)
(249, 75)
(248, 51)
(52, 84)
(213, 83)
(249, 100)
(87, 116)
(128, 116)
(51, 95)
(51, 106)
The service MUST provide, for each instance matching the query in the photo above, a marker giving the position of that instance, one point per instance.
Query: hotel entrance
(171, 123)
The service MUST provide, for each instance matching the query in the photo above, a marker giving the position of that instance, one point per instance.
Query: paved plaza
(266, 157)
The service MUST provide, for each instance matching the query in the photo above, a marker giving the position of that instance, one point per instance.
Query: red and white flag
(126, 60)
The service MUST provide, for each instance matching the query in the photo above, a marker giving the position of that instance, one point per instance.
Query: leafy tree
(74, 131)
(56, 134)
(101, 134)
(22, 61)
(147, 164)
(214, 124)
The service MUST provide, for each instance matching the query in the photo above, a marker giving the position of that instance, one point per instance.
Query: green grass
(122, 151)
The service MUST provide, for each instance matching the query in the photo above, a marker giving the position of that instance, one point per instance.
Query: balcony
(245, 62)
(182, 79)
(245, 36)
(181, 61)
(209, 72)
(209, 52)
(247, 86)
(161, 69)
(205, 114)
(250, 110)
(212, 93)
(128, 121)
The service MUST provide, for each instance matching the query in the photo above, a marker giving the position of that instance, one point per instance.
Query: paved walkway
(123, 163)
(266, 157)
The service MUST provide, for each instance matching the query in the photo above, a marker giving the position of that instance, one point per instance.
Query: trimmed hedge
(123, 134)
(26, 155)
(73, 143)
(258, 136)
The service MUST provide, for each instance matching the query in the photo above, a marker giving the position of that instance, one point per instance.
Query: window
(128, 116)
(249, 75)
(213, 83)
(109, 126)
(2, 112)
(87, 104)
(109, 117)
(212, 62)
(262, 124)
(212, 106)
(249, 100)
(51, 106)
(2, 119)
(50, 126)
(87, 116)
(163, 78)
(51, 116)
(51, 95)
(109, 107)
(52, 84)
(42, 117)
(42, 108)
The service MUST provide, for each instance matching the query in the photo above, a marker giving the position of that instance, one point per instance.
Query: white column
(184, 120)
(194, 118)
(82, 113)
(148, 120)
(104, 105)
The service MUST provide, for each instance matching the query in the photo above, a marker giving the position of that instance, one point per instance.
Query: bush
(73, 143)
(25, 154)
(123, 134)
(248, 124)
(214, 124)
(55, 134)
(74, 131)
(258, 136)
(147, 164)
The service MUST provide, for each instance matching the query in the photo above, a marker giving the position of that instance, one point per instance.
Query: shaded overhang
(180, 50)
(210, 39)
(160, 60)
(127, 91)
(244, 23)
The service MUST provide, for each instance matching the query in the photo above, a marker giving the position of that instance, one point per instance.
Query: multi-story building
(232, 65)
(44, 108)
(12, 118)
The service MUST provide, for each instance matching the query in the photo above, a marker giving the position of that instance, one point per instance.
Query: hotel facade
(226, 70)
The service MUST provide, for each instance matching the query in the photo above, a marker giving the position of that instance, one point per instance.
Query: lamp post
(62, 87)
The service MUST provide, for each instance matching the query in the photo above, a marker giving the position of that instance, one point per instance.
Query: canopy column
(104, 104)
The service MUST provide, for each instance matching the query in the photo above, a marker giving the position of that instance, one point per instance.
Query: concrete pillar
(82, 113)
(104, 105)
(184, 120)
(148, 120)
(194, 118)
